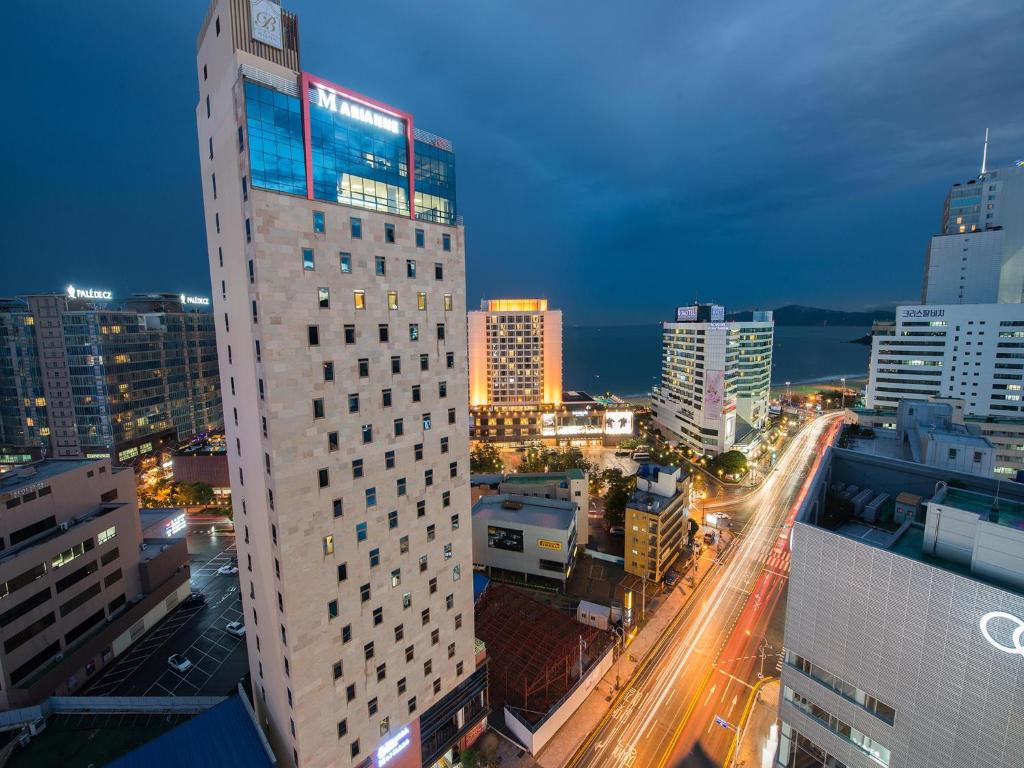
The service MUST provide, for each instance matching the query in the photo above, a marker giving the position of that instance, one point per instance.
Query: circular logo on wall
(1003, 631)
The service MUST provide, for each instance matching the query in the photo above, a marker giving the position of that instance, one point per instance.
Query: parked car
(235, 628)
(617, 530)
(228, 570)
(179, 663)
(671, 578)
(197, 598)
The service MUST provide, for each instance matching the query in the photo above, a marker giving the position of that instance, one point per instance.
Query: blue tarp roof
(480, 583)
(224, 735)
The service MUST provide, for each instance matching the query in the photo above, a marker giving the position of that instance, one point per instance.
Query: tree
(469, 758)
(193, 494)
(731, 463)
(617, 496)
(485, 459)
(534, 460)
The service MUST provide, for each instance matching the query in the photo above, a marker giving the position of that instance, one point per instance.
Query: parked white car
(228, 570)
(235, 628)
(179, 663)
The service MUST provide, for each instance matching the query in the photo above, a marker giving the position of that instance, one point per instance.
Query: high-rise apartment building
(338, 267)
(515, 357)
(978, 257)
(903, 621)
(715, 377)
(84, 375)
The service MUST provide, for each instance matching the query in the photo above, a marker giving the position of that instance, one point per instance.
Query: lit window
(360, 299)
(392, 299)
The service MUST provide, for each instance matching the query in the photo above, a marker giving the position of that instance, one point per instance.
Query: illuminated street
(713, 652)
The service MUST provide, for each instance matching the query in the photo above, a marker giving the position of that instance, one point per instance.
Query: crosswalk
(778, 561)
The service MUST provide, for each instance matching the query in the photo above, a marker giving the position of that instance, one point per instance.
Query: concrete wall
(535, 740)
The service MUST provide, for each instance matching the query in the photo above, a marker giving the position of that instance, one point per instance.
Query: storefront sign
(175, 525)
(391, 748)
(548, 544)
(89, 293)
(199, 301)
(266, 22)
(339, 104)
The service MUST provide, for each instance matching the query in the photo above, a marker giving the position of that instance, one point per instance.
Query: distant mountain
(795, 314)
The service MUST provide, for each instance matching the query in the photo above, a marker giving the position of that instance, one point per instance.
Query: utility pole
(643, 598)
(581, 656)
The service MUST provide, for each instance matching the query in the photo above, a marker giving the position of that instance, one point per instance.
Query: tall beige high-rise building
(338, 270)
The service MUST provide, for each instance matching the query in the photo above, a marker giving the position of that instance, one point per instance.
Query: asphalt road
(194, 630)
(695, 684)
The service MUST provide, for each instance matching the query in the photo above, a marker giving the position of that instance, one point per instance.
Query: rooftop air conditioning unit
(143, 546)
(64, 526)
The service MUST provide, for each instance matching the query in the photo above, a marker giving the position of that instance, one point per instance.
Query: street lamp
(843, 380)
(787, 391)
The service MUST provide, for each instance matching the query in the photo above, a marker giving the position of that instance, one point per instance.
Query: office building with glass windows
(84, 375)
(715, 377)
(903, 641)
(338, 265)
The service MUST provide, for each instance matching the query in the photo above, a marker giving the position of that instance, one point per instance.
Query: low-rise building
(927, 433)
(656, 517)
(78, 581)
(572, 485)
(526, 536)
(204, 462)
(902, 629)
(578, 419)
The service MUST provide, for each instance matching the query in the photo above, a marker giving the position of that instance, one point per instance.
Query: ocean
(626, 359)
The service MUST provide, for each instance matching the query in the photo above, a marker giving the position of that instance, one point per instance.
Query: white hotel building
(715, 377)
(338, 268)
(971, 355)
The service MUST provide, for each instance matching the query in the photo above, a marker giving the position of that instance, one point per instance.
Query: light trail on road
(664, 710)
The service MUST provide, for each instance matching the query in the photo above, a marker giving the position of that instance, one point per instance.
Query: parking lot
(194, 630)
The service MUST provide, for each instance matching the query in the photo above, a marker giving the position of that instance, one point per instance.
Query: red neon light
(307, 80)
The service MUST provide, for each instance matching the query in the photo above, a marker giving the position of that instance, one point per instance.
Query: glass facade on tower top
(359, 155)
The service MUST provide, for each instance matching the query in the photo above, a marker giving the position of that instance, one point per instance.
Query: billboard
(686, 314)
(618, 422)
(717, 314)
(714, 389)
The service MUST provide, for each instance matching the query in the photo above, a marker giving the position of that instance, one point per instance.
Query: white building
(715, 377)
(979, 256)
(339, 296)
(902, 640)
(932, 433)
(969, 352)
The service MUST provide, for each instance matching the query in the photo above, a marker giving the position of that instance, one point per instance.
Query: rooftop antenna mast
(984, 155)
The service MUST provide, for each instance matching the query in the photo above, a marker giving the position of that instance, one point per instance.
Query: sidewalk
(661, 611)
(758, 742)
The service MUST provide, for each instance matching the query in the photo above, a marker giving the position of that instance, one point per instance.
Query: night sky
(617, 157)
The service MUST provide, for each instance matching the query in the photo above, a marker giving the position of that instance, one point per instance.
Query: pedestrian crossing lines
(778, 561)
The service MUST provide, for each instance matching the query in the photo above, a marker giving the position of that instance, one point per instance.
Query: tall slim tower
(339, 292)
